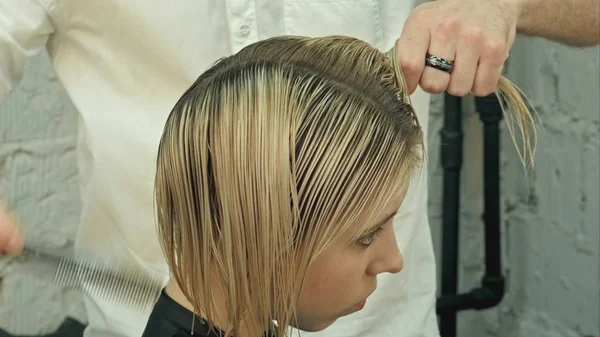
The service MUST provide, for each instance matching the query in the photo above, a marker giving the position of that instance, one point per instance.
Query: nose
(388, 258)
(396, 261)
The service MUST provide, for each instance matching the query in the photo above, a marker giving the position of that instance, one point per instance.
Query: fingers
(411, 48)
(14, 243)
(442, 44)
(490, 67)
(465, 66)
(11, 239)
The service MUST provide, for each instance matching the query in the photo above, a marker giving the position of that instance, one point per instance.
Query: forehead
(375, 212)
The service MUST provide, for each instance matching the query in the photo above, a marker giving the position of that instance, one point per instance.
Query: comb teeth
(122, 286)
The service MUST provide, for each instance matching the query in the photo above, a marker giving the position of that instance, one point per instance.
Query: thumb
(11, 239)
(411, 49)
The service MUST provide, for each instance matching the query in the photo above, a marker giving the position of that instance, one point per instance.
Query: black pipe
(491, 291)
(490, 113)
(451, 160)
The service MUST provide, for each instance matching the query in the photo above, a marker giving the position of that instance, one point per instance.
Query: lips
(360, 305)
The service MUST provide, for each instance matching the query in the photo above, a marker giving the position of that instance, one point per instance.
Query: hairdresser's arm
(573, 22)
(478, 34)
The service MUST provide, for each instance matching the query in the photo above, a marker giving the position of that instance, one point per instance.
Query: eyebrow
(380, 223)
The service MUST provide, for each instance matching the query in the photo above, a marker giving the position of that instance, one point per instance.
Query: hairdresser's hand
(11, 240)
(475, 34)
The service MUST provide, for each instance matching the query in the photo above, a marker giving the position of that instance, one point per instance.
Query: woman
(279, 172)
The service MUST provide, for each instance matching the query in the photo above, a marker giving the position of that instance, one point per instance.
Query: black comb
(123, 286)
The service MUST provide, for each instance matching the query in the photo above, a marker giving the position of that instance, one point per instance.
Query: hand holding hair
(458, 46)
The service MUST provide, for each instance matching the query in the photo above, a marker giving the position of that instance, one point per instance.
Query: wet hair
(273, 153)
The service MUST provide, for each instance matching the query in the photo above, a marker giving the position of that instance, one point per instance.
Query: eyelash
(370, 238)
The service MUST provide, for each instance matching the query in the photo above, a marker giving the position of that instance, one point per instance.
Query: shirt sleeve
(25, 27)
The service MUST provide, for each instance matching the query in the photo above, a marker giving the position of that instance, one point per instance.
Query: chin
(314, 325)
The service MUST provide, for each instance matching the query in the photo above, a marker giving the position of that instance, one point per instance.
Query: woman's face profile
(343, 276)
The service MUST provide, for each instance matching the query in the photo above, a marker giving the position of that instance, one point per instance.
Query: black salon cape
(170, 319)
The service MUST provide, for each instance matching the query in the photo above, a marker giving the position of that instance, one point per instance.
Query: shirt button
(245, 30)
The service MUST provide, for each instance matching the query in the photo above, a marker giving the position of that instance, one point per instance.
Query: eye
(370, 238)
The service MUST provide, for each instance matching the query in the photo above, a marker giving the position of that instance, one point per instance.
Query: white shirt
(124, 63)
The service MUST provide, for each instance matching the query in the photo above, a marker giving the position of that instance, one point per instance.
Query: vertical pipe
(492, 199)
(451, 159)
(490, 113)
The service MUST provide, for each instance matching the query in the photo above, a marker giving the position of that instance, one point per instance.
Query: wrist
(526, 17)
(514, 8)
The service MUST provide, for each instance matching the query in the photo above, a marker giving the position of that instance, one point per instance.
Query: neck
(220, 319)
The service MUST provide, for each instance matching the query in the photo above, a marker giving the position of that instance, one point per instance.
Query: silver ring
(438, 63)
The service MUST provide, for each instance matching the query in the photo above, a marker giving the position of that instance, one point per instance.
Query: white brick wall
(551, 217)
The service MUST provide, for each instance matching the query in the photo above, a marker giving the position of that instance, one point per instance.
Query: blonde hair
(268, 157)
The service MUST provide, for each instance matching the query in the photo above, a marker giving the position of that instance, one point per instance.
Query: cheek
(334, 283)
